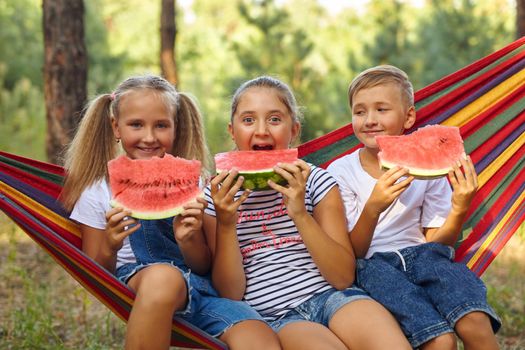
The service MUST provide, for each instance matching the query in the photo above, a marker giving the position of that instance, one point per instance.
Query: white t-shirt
(90, 210)
(280, 273)
(425, 203)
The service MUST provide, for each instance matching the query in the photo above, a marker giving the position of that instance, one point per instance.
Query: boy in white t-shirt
(403, 229)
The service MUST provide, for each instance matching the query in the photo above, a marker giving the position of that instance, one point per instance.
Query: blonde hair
(381, 75)
(94, 144)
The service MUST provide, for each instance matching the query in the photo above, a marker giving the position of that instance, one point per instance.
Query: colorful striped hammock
(485, 99)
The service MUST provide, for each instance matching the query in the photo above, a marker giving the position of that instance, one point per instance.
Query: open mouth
(262, 147)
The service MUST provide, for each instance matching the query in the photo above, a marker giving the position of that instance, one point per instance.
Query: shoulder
(92, 205)
(344, 164)
(319, 183)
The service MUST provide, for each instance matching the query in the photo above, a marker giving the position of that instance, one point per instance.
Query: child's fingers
(403, 184)
(394, 174)
(216, 181)
(127, 230)
(460, 177)
(470, 171)
(113, 218)
(277, 187)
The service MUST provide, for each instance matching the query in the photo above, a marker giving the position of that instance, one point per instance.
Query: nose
(149, 135)
(371, 118)
(261, 128)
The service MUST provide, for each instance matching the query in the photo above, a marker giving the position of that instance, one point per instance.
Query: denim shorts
(321, 307)
(425, 290)
(205, 309)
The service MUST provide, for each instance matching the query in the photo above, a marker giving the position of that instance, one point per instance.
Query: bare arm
(221, 232)
(190, 237)
(464, 187)
(103, 245)
(324, 234)
(383, 195)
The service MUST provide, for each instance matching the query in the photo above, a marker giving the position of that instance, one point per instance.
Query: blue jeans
(154, 243)
(321, 307)
(425, 290)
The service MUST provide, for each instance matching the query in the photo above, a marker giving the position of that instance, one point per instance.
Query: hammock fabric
(485, 99)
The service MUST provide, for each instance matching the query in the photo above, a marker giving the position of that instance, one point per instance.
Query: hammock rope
(486, 100)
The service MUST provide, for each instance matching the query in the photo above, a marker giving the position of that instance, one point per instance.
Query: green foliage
(22, 117)
(221, 44)
(21, 43)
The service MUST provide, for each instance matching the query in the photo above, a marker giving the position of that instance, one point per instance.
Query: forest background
(316, 48)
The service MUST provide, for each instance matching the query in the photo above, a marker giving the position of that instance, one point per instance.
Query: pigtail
(88, 153)
(190, 141)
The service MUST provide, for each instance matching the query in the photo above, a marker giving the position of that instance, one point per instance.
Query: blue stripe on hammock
(32, 192)
(489, 158)
(485, 88)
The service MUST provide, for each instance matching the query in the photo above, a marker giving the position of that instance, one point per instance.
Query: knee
(252, 335)
(162, 286)
(442, 342)
(474, 324)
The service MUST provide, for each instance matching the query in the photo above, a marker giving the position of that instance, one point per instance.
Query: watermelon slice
(256, 166)
(153, 188)
(428, 152)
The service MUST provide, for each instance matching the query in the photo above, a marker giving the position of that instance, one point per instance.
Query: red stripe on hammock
(479, 121)
(491, 143)
(51, 168)
(487, 218)
(325, 140)
(48, 187)
(495, 247)
(495, 180)
(466, 71)
(460, 93)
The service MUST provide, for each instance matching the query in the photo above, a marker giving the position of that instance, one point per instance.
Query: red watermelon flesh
(154, 188)
(256, 166)
(430, 151)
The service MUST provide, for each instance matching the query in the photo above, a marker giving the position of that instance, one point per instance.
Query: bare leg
(366, 324)
(161, 290)
(251, 335)
(443, 342)
(306, 335)
(475, 331)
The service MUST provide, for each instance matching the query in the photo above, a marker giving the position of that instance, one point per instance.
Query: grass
(43, 307)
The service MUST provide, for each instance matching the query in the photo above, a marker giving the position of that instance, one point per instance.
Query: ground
(43, 307)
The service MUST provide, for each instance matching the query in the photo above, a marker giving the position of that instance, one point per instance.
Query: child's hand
(187, 223)
(464, 185)
(223, 190)
(119, 225)
(387, 190)
(296, 174)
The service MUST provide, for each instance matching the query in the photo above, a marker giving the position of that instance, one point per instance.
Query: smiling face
(262, 121)
(380, 110)
(145, 125)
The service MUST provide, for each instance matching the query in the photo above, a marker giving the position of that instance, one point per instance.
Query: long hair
(94, 144)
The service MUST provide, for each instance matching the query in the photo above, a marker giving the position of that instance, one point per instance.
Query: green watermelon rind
(425, 174)
(258, 180)
(155, 215)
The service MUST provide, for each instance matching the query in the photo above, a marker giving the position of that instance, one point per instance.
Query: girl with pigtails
(148, 117)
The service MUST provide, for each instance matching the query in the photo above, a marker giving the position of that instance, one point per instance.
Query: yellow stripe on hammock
(497, 163)
(486, 101)
(63, 223)
(94, 292)
(21, 198)
(494, 233)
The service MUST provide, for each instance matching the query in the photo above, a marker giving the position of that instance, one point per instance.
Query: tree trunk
(168, 33)
(65, 72)
(520, 7)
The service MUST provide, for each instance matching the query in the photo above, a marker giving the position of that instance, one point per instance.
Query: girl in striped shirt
(286, 250)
